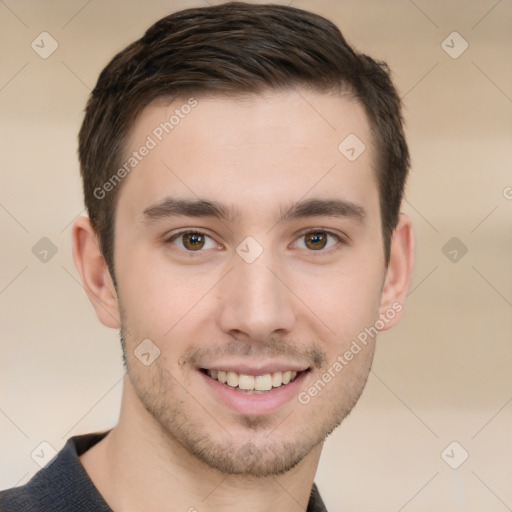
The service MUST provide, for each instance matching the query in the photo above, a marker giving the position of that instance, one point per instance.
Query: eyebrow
(174, 207)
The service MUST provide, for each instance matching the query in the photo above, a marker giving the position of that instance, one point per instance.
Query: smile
(253, 383)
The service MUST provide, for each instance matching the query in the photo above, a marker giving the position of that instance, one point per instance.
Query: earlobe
(94, 273)
(399, 272)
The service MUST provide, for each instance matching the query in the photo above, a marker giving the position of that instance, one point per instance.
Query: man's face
(268, 289)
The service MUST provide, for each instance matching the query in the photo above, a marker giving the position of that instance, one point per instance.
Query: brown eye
(193, 241)
(316, 241)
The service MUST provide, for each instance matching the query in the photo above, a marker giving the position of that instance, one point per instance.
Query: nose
(255, 301)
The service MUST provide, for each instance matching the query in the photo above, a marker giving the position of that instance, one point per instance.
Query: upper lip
(248, 369)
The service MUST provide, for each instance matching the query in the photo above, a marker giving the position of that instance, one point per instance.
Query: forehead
(251, 152)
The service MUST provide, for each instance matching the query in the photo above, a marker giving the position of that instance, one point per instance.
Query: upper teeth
(250, 382)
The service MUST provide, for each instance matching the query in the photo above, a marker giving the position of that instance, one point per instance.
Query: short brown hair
(229, 49)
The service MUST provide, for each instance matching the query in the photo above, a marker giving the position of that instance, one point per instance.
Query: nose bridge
(254, 300)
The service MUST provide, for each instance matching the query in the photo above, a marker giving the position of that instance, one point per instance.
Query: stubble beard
(211, 442)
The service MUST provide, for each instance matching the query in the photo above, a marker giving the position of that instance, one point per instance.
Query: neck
(139, 466)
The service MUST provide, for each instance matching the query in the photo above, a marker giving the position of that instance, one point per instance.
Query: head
(227, 50)
(228, 123)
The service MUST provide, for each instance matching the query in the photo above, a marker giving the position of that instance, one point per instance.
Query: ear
(399, 272)
(94, 273)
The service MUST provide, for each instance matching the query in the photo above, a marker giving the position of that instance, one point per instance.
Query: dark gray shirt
(63, 485)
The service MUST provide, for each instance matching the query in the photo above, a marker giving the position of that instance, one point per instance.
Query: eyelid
(337, 234)
(185, 231)
(341, 237)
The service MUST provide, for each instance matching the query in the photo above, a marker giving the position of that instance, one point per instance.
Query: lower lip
(256, 403)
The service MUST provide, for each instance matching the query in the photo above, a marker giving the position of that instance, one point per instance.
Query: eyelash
(340, 239)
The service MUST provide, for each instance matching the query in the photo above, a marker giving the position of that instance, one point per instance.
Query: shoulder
(61, 485)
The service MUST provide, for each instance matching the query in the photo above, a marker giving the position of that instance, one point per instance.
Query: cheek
(155, 297)
(343, 301)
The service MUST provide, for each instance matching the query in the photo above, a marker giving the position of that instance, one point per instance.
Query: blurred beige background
(443, 375)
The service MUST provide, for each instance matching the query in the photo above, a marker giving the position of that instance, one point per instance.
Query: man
(243, 169)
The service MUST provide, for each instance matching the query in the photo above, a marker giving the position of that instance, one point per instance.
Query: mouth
(254, 392)
(254, 384)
